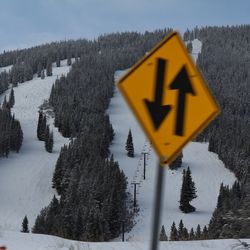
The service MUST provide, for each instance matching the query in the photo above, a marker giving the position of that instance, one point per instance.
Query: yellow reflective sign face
(169, 97)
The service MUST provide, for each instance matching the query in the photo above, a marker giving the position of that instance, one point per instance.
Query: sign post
(157, 206)
(171, 101)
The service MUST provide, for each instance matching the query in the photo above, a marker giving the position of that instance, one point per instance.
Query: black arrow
(182, 83)
(158, 111)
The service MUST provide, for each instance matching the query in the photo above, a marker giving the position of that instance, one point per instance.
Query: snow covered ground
(7, 69)
(25, 178)
(22, 241)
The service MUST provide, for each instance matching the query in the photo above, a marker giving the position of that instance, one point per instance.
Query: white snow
(25, 178)
(22, 241)
(196, 45)
(6, 68)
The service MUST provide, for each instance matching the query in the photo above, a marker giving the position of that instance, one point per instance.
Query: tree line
(11, 135)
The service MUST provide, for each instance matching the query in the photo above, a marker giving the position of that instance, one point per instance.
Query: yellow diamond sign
(169, 97)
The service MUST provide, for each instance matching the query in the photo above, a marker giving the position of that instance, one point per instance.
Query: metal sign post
(157, 207)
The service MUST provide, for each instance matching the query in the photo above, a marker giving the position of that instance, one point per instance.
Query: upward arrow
(182, 83)
(157, 111)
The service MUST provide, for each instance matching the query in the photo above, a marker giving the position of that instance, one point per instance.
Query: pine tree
(205, 233)
(198, 232)
(48, 140)
(189, 47)
(58, 62)
(163, 236)
(25, 225)
(188, 192)
(43, 128)
(42, 74)
(5, 103)
(191, 234)
(180, 230)
(130, 145)
(11, 98)
(69, 55)
(185, 235)
(39, 69)
(49, 68)
(173, 233)
(39, 126)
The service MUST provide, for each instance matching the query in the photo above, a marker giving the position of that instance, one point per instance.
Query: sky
(25, 23)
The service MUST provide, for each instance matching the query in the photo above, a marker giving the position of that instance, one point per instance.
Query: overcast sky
(30, 22)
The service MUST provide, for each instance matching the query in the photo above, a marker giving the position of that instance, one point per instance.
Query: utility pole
(144, 165)
(135, 183)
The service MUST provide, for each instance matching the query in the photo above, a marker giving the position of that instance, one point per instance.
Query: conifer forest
(91, 199)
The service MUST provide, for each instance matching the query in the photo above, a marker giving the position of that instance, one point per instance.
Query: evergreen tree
(189, 47)
(25, 225)
(205, 233)
(5, 103)
(58, 62)
(163, 236)
(69, 55)
(42, 74)
(191, 234)
(39, 69)
(39, 126)
(180, 230)
(173, 233)
(49, 68)
(48, 140)
(130, 145)
(185, 235)
(198, 232)
(11, 98)
(188, 192)
(16, 135)
(43, 128)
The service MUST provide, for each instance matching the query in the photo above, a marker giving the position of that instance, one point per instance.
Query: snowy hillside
(22, 241)
(207, 170)
(6, 69)
(196, 48)
(25, 178)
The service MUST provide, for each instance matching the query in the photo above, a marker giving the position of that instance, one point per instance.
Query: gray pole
(135, 183)
(144, 169)
(157, 208)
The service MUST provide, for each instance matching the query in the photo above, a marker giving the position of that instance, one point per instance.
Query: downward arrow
(157, 111)
(183, 84)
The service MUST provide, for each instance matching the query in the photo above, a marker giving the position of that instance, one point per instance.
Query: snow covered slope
(196, 45)
(25, 178)
(22, 241)
(207, 170)
(7, 69)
